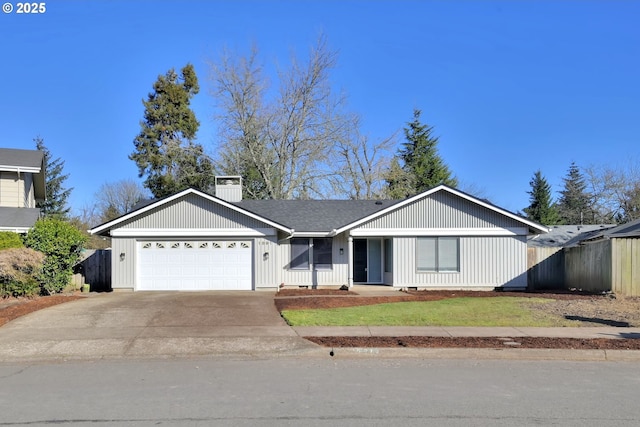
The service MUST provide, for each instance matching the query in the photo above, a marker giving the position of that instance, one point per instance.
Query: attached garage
(194, 265)
(192, 241)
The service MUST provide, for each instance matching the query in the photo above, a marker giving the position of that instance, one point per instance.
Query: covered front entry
(194, 265)
(367, 260)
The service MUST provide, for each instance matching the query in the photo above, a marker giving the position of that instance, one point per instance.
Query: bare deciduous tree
(362, 165)
(615, 191)
(282, 145)
(117, 198)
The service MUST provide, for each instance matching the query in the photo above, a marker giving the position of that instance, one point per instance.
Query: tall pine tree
(422, 165)
(164, 149)
(541, 208)
(574, 204)
(56, 194)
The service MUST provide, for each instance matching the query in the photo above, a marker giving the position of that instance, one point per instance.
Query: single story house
(441, 238)
(22, 184)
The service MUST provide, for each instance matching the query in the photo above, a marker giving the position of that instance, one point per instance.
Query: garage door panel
(195, 265)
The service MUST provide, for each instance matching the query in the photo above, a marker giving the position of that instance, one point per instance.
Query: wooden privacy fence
(94, 269)
(611, 265)
(545, 268)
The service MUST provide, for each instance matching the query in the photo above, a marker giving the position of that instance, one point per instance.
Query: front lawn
(498, 311)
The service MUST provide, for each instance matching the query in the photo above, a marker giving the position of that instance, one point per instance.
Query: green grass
(498, 311)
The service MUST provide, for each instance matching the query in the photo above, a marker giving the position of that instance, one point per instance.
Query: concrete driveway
(153, 324)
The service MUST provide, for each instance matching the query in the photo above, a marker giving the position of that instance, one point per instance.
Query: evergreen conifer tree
(164, 149)
(421, 163)
(541, 208)
(55, 204)
(574, 204)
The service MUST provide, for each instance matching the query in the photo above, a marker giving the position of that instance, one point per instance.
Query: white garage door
(194, 265)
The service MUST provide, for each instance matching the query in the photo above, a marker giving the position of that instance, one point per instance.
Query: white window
(437, 254)
(299, 254)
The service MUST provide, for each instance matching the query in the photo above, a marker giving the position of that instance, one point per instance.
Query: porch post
(350, 262)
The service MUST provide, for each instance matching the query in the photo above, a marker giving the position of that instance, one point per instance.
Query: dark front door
(360, 260)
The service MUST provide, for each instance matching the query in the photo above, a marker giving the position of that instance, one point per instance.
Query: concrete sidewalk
(458, 331)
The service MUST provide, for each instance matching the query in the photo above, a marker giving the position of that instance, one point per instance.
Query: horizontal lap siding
(11, 190)
(484, 262)
(193, 212)
(442, 210)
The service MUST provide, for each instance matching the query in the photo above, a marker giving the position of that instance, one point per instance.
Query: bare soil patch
(12, 308)
(584, 308)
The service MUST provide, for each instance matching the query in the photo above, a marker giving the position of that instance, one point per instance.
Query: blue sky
(509, 86)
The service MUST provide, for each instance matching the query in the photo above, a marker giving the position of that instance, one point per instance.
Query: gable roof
(145, 207)
(13, 159)
(29, 161)
(533, 227)
(324, 217)
(321, 216)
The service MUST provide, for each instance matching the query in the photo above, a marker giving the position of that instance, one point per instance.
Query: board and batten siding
(336, 276)
(193, 212)
(123, 273)
(485, 262)
(441, 210)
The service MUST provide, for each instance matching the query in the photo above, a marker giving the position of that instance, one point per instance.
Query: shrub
(61, 243)
(9, 239)
(19, 271)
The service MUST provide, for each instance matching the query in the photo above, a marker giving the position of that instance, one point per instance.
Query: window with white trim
(305, 251)
(322, 254)
(438, 254)
(299, 254)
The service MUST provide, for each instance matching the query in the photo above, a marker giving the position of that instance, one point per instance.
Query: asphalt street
(320, 392)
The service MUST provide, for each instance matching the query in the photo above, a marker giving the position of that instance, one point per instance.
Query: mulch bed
(473, 342)
(13, 308)
(312, 292)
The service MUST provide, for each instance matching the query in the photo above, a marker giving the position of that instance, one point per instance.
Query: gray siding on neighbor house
(337, 276)
(193, 212)
(485, 262)
(442, 210)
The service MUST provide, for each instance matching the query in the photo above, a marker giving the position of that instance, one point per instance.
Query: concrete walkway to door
(153, 324)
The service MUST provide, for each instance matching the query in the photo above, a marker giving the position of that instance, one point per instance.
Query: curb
(488, 354)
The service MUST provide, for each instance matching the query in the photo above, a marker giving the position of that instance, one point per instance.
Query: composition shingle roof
(18, 218)
(566, 235)
(20, 158)
(314, 215)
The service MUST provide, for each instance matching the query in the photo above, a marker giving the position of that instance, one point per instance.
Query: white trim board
(404, 232)
(193, 232)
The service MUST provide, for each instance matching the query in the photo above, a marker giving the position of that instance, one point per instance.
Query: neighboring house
(441, 238)
(22, 184)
